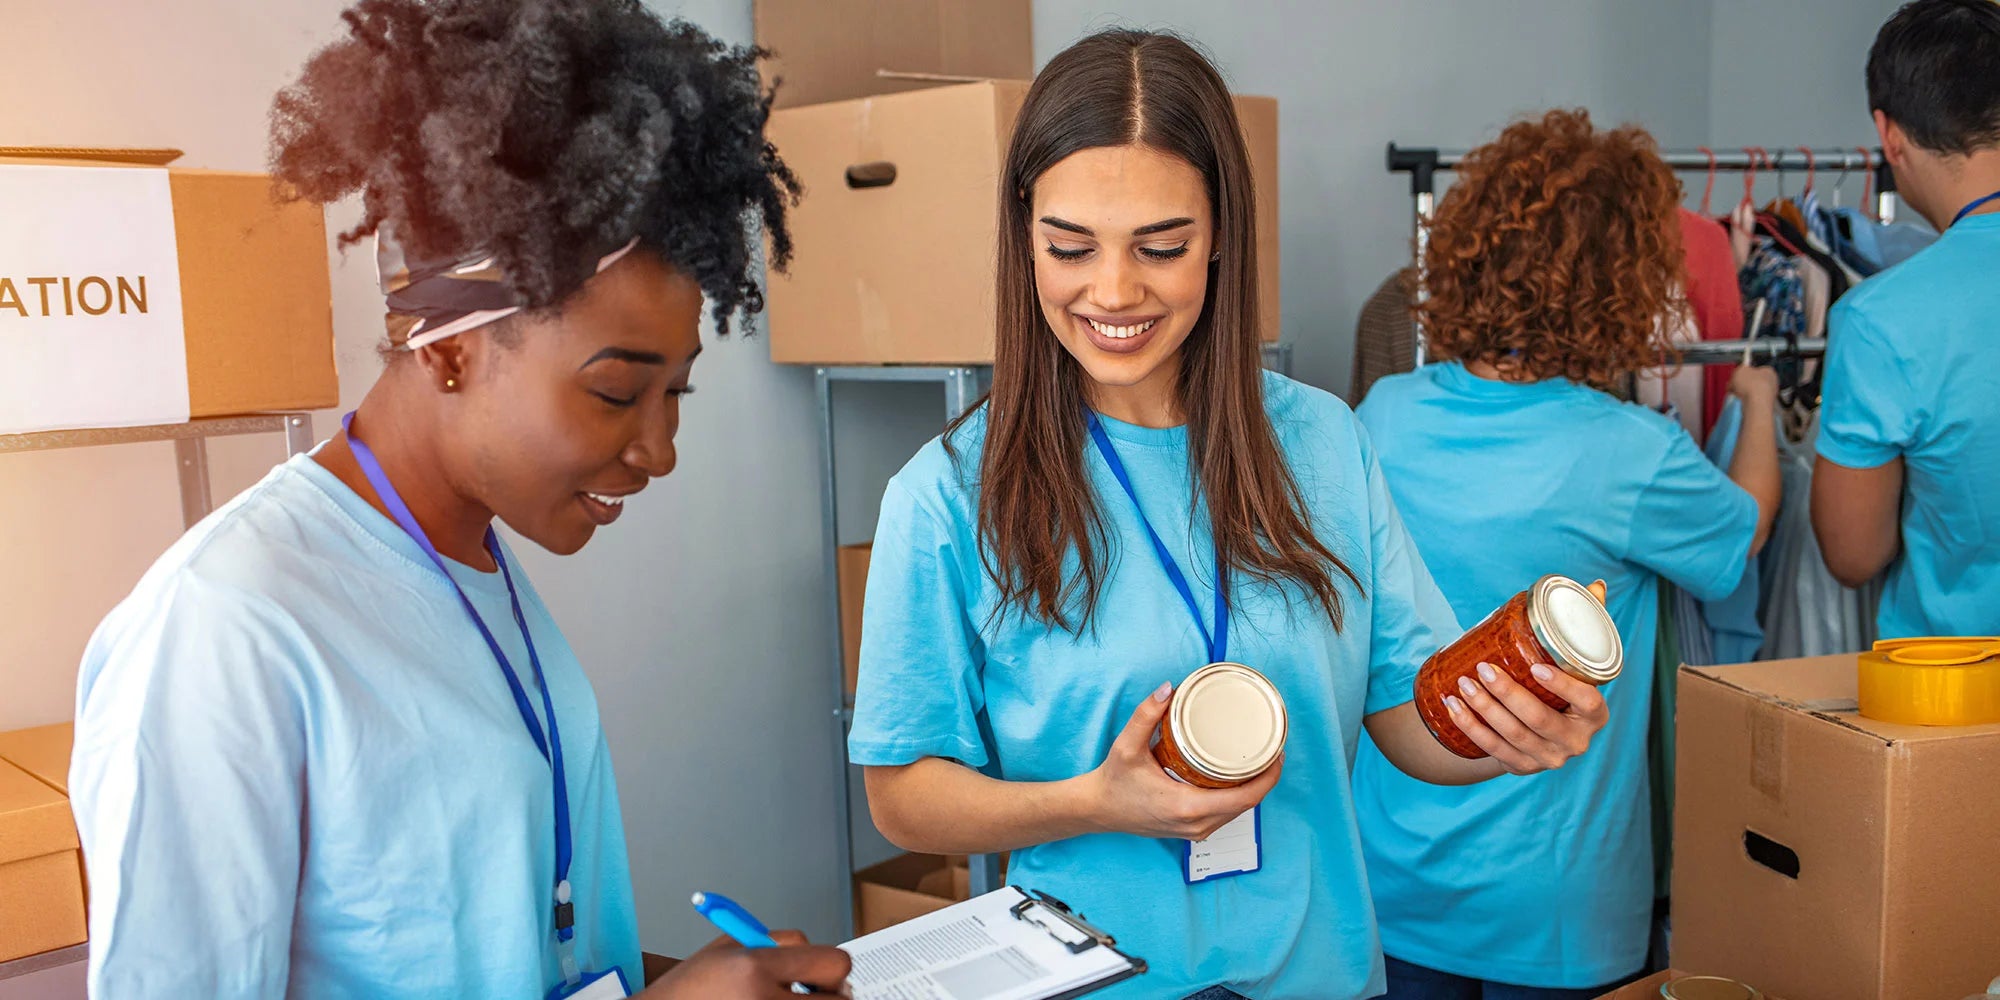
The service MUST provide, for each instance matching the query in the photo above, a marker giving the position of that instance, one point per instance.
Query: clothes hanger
(1709, 188)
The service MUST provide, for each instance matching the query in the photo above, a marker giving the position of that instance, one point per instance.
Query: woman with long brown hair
(1136, 498)
(1551, 265)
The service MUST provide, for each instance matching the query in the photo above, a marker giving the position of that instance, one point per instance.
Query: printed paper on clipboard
(1005, 945)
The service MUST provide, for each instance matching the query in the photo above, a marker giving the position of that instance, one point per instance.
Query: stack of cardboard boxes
(41, 864)
(896, 115)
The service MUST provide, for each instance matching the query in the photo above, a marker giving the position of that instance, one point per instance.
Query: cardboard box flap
(34, 819)
(42, 752)
(94, 154)
(1810, 687)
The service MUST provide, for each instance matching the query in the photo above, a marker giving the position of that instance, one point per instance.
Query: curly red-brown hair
(1557, 253)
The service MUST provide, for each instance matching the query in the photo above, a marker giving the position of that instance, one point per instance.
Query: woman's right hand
(726, 970)
(1135, 795)
(1754, 385)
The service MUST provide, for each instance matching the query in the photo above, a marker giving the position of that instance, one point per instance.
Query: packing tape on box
(1932, 681)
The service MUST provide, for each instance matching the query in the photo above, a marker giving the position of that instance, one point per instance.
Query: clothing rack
(1422, 163)
(1732, 352)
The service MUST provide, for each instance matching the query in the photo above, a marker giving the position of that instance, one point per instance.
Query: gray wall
(1817, 94)
(700, 615)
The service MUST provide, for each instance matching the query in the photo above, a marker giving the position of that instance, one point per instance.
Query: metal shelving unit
(190, 446)
(962, 388)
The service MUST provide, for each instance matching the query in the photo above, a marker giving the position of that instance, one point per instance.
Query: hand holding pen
(752, 962)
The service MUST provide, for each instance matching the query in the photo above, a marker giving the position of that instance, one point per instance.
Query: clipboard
(1013, 942)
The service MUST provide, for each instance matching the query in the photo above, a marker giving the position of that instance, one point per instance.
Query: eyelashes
(1069, 256)
(623, 403)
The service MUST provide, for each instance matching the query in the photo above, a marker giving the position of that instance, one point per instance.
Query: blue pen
(739, 924)
(733, 919)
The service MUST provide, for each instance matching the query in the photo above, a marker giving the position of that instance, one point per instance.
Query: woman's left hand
(1523, 734)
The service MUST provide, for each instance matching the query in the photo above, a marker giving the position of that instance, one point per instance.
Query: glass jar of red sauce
(1225, 725)
(1557, 622)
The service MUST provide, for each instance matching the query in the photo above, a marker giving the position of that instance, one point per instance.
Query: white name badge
(1236, 849)
(596, 986)
(90, 300)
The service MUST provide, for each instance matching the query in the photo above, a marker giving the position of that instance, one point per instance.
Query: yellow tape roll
(1932, 681)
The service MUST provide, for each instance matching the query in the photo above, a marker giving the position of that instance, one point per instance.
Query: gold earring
(451, 383)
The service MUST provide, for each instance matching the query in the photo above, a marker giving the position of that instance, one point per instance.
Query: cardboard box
(255, 296)
(1821, 854)
(851, 565)
(41, 868)
(906, 887)
(836, 50)
(42, 752)
(903, 272)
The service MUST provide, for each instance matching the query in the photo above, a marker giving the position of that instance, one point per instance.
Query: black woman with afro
(333, 745)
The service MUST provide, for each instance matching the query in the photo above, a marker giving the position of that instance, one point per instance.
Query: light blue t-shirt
(299, 772)
(940, 677)
(1911, 370)
(1544, 880)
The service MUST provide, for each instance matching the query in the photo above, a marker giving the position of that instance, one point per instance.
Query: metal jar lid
(1574, 627)
(1708, 988)
(1229, 721)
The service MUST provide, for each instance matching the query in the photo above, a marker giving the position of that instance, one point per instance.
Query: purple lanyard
(551, 748)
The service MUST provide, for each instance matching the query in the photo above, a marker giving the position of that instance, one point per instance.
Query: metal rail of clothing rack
(962, 386)
(1731, 352)
(1423, 163)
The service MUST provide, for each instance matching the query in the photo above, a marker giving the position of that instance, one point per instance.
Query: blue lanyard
(551, 748)
(1218, 640)
(1969, 209)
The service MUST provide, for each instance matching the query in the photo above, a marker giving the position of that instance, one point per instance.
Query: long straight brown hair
(1117, 88)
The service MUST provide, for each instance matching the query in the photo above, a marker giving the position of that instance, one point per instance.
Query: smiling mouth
(602, 508)
(1126, 332)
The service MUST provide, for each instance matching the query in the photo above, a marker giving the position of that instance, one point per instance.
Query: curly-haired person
(334, 745)
(1553, 266)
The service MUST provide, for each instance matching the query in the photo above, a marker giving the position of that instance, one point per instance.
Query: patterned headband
(430, 300)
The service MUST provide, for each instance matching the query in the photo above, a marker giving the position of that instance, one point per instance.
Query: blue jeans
(1414, 982)
(1216, 993)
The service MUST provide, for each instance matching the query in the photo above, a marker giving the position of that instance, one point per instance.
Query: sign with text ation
(91, 331)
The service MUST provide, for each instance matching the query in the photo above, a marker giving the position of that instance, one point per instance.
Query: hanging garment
(1735, 632)
(1882, 246)
(1667, 662)
(1804, 610)
(1385, 338)
(1675, 390)
(1773, 276)
(1717, 302)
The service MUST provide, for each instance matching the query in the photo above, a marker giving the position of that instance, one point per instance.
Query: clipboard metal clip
(1062, 923)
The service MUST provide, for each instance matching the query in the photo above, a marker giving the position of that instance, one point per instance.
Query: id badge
(595, 986)
(1236, 849)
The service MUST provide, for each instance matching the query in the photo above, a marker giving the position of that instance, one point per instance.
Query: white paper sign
(90, 300)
